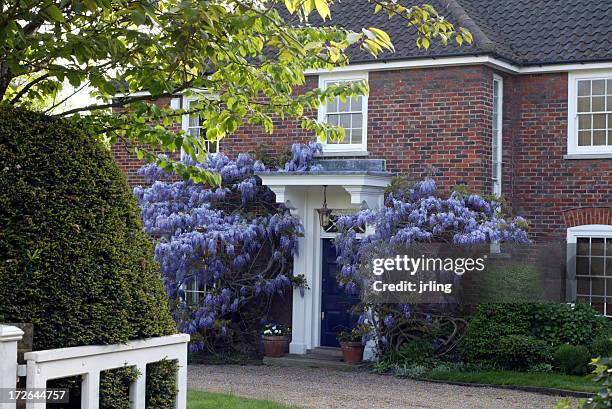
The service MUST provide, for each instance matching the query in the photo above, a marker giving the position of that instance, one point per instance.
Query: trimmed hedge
(74, 259)
(572, 360)
(488, 330)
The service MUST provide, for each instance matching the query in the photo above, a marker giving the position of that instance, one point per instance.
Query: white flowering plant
(276, 330)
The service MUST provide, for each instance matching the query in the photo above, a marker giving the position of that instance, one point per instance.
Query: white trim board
(459, 61)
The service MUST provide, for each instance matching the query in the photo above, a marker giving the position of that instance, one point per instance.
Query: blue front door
(336, 304)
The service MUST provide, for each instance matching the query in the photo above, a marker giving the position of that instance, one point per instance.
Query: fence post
(138, 388)
(9, 336)
(181, 379)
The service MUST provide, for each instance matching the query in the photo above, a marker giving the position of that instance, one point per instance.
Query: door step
(320, 357)
(326, 351)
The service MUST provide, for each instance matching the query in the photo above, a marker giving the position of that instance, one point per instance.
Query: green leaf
(53, 12)
(323, 8)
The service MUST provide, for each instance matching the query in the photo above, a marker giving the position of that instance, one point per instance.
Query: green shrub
(74, 259)
(555, 324)
(572, 360)
(489, 324)
(417, 351)
(520, 352)
(567, 323)
(602, 345)
(409, 353)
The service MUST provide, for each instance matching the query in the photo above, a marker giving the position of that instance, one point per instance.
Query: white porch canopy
(302, 193)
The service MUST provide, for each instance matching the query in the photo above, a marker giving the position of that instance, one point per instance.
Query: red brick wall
(441, 118)
(124, 154)
(544, 185)
(417, 119)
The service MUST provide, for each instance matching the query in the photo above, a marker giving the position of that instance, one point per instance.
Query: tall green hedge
(74, 260)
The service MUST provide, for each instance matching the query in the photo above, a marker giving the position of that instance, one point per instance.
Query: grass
(210, 400)
(542, 380)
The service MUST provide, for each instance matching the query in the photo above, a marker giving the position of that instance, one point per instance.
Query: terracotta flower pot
(275, 347)
(352, 352)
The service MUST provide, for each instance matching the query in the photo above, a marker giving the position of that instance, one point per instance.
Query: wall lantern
(324, 212)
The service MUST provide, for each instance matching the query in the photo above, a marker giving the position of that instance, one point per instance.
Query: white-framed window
(590, 113)
(191, 124)
(590, 263)
(193, 292)
(496, 141)
(352, 115)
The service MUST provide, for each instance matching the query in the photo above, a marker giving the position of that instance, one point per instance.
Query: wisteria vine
(232, 242)
(415, 215)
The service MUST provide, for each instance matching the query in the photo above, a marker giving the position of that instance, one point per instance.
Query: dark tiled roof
(523, 32)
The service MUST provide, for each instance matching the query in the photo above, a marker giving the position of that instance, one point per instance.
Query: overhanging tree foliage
(246, 53)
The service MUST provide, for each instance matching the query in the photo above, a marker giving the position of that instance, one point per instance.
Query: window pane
(584, 87)
(333, 107)
(609, 269)
(584, 104)
(584, 121)
(599, 121)
(598, 304)
(609, 103)
(356, 135)
(194, 132)
(609, 87)
(343, 106)
(584, 138)
(347, 138)
(194, 120)
(609, 247)
(356, 103)
(583, 286)
(598, 286)
(332, 119)
(610, 137)
(582, 266)
(599, 104)
(597, 266)
(599, 138)
(597, 246)
(583, 246)
(345, 121)
(599, 87)
(357, 121)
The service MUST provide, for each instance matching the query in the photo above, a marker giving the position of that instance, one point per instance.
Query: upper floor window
(351, 115)
(590, 113)
(192, 126)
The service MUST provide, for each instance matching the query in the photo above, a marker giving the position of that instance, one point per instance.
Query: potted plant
(351, 343)
(275, 339)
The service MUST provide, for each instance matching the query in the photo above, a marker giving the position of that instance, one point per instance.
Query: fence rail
(89, 361)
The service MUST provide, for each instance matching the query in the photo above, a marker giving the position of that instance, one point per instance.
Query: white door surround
(302, 193)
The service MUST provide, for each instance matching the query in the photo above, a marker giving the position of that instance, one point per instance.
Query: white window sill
(332, 154)
(578, 156)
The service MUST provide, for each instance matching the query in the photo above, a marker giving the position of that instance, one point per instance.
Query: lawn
(210, 400)
(543, 380)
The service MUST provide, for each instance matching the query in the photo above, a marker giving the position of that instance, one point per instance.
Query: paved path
(326, 389)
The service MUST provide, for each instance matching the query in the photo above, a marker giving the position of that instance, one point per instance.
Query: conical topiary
(74, 260)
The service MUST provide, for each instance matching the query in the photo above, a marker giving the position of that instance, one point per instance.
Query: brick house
(525, 111)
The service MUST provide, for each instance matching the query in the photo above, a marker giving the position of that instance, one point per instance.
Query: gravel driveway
(326, 389)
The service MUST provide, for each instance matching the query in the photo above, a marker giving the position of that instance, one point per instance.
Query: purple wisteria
(231, 243)
(419, 214)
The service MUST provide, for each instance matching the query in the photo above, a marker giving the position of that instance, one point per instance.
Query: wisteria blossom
(411, 216)
(416, 215)
(233, 243)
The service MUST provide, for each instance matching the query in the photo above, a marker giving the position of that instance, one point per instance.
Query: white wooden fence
(89, 361)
